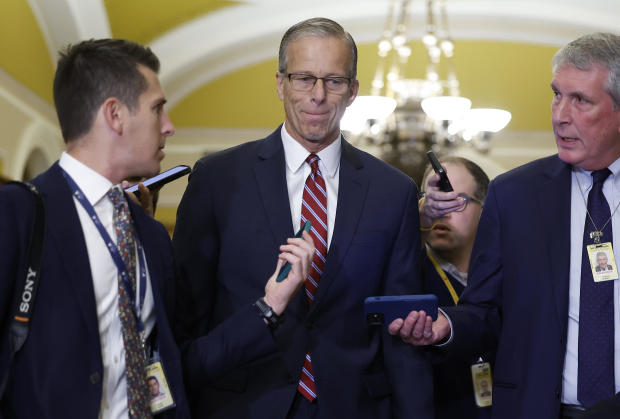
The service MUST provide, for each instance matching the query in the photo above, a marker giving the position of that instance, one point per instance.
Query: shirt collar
(295, 154)
(584, 177)
(615, 168)
(93, 185)
(448, 267)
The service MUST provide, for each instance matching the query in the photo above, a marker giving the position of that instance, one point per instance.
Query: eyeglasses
(305, 82)
(467, 199)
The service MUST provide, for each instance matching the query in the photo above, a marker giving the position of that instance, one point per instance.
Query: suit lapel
(352, 188)
(270, 173)
(154, 261)
(554, 197)
(67, 241)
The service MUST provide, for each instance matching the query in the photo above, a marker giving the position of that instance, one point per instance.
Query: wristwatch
(267, 313)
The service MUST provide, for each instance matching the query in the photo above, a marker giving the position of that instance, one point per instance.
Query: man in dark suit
(448, 244)
(531, 290)
(106, 295)
(323, 360)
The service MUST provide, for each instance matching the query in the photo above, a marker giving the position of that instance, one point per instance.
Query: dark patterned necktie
(595, 379)
(135, 364)
(313, 208)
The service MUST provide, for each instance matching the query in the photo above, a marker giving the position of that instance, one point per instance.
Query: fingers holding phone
(419, 329)
(145, 192)
(440, 198)
(146, 197)
(298, 253)
(438, 203)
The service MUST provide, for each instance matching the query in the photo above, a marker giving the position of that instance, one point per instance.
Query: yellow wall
(507, 75)
(23, 53)
(492, 74)
(155, 16)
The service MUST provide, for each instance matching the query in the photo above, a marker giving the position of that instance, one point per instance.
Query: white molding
(38, 127)
(64, 22)
(36, 136)
(26, 100)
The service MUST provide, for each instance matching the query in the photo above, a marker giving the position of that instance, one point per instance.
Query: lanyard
(116, 256)
(445, 279)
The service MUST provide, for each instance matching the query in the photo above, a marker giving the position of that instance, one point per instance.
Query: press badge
(602, 262)
(483, 384)
(159, 392)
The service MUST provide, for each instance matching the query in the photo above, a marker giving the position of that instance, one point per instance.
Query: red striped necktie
(314, 209)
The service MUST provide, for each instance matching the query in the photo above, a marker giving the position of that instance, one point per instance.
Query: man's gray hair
(597, 49)
(318, 27)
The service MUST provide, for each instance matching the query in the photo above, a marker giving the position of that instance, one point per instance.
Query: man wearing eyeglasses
(533, 292)
(317, 358)
(449, 240)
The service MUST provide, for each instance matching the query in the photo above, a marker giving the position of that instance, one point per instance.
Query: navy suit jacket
(453, 385)
(517, 291)
(234, 215)
(58, 372)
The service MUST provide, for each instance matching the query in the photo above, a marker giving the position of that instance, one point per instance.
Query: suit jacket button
(95, 377)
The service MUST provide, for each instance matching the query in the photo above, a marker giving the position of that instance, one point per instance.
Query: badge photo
(602, 262)
(483, 384)
(159, 392)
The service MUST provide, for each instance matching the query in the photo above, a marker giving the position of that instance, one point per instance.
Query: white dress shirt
(297, 170)
(105, 283)
(579, 197)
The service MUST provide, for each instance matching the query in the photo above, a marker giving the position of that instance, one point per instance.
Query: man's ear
(279, 84)
(114, 114)
(354, 89)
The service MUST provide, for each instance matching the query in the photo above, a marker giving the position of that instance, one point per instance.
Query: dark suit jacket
(453, 385)
(599, 269)
(517, 292)
(234, 215)
(58, 373)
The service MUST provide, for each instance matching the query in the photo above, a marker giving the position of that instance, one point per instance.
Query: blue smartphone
(385, 309)
(161, 179)
(287, 266)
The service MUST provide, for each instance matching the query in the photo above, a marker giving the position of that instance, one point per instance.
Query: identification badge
(483, 384)
(159, 392)
(602, 262)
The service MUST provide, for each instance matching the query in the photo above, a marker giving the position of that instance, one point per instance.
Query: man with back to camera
(449, 240)
(322, 360)
(556, 328)
(83, 357)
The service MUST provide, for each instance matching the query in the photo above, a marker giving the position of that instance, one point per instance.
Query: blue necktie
(595, 380)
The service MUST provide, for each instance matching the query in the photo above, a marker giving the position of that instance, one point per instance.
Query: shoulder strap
(26, 290)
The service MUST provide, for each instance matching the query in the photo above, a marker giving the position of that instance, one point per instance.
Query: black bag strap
(26, 290)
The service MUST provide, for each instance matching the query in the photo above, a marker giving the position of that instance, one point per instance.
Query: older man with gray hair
(531, 290)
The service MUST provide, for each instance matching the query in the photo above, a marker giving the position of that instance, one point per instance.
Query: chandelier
(405, 117)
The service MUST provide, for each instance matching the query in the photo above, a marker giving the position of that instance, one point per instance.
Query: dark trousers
(303, 409)
(569, 411)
